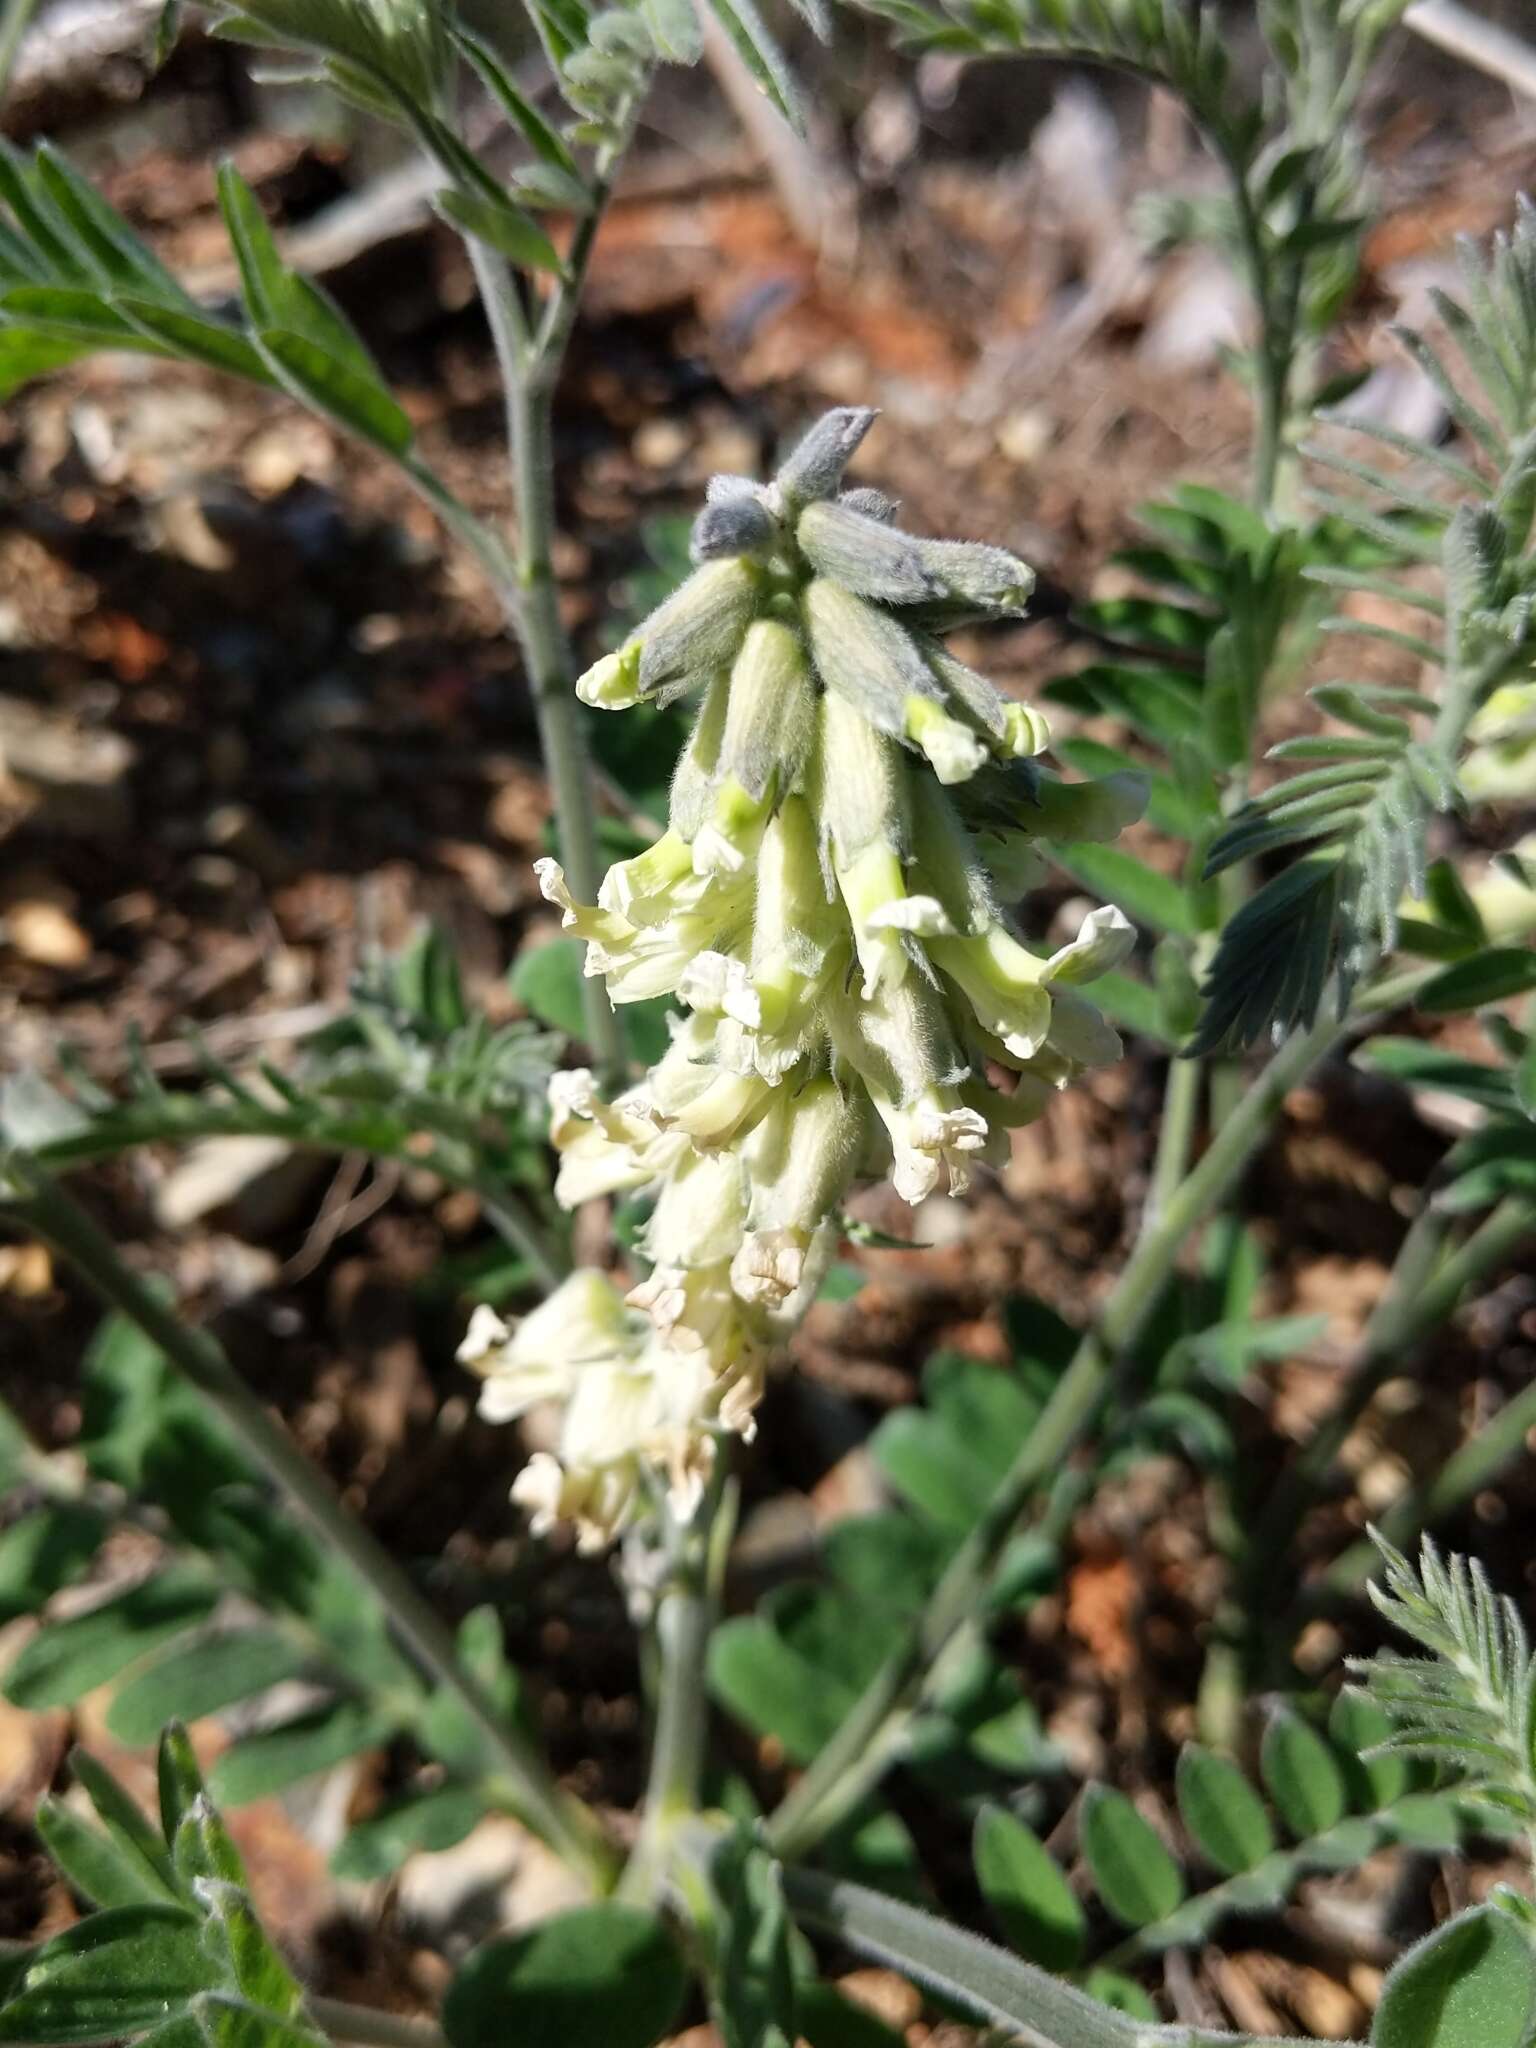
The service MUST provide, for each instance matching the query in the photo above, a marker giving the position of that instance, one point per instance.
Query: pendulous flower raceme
(824, 906)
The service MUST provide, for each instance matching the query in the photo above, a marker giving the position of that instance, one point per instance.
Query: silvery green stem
(529, 355)
(1032, 2006)
(686, 1613)
(33, 1199)
(14, 23)
(361, 2026)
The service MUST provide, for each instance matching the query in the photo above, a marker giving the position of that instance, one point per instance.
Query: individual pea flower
(635, 1419)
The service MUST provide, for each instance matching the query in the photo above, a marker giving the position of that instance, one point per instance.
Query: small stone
(660, 444)
(45, 933)
(263, 1180)
(1025, 435)
(26, 1270)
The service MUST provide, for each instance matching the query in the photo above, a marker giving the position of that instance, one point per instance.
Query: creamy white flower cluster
(824, 905)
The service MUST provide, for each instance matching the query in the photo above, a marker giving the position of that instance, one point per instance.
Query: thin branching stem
(530, 348)
(36, 1202)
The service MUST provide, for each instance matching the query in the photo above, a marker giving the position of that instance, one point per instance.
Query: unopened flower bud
(864, 656)
(740, 524)
(863, 554)
(1026, 731)
(771, 715)
(612, 684)
(872, 503)
(979, 574)
(696, 631)
(815, 469)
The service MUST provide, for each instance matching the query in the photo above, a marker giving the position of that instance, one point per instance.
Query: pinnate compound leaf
(601, 1976)
(1488, 977)
(500, 225)
(1137, 1878)
(1035, 1908)
(355, 398)
(1471, 1984)
(100, 1869)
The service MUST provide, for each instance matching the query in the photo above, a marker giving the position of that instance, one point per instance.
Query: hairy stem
(14, 23)
(529, 351)
(872, 1733)
(36, 1202)
(361, 2026)
(686, 1614)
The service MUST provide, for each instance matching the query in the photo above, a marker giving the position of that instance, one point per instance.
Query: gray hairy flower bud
(815, 469)
(872, 503)
(771, 716)
(865, 556)
(865, 656)
(736, 525)
(698, 768)
(982, 575)
(700, 625)
(972, 692)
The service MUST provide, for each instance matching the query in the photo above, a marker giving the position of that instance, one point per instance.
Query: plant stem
(1175, 1136)
(551, 677)
(871, 1734)
(36, 1201)
(530, 365)
(685, 1619)
(361, 2026)
(14, 23)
